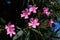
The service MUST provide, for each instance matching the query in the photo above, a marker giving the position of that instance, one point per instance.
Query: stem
(28, 1)
(23, 3)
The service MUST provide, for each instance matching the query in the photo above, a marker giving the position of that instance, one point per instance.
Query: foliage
(39, 18)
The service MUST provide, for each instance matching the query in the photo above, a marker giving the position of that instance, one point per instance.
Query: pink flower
(45, 9)
(25, 13)
(33, 8)
(51, 22)
(33, 22)
(47, 13)
(10, 29)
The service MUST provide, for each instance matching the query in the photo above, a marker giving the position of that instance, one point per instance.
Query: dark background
(10, 13)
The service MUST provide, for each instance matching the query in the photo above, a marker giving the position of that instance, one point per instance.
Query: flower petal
(37, 24)
(22, 15)
(29, 24)
(34, 26)
(30, 9)
(12, 25)
(6, 26)
(14, 33)
(10, 35)
(47, 13)
(34, 11)
(26, 17)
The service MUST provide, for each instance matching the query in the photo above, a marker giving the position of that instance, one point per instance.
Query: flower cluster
(27, 12)
(33, 21)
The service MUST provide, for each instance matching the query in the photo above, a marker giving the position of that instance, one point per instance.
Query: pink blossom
(10, 29)
(33, 22)
(47, 13)
(51, 22)
(32, 8)
(25, 13)
(45, 9)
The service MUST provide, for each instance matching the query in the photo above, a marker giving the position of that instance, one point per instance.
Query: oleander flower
(51, 22)
(47, 13)
(45, 9)
(10, 29)
(33, 22)
(25, 13)
(33, 8)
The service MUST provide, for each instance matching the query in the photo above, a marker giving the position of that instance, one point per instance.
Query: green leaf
(1, 30)
(19, 34)
(2, 21)
(32, 1)
(23, 2)
(38, 32)
(18, 28)
(27, 36)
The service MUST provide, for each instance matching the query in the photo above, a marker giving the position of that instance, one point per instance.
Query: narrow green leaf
(2, 21)
(27, 36)
(18, 28)
(19, 34)
(38, 33)
(23, 3)
(1, 30)
(32, 1)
